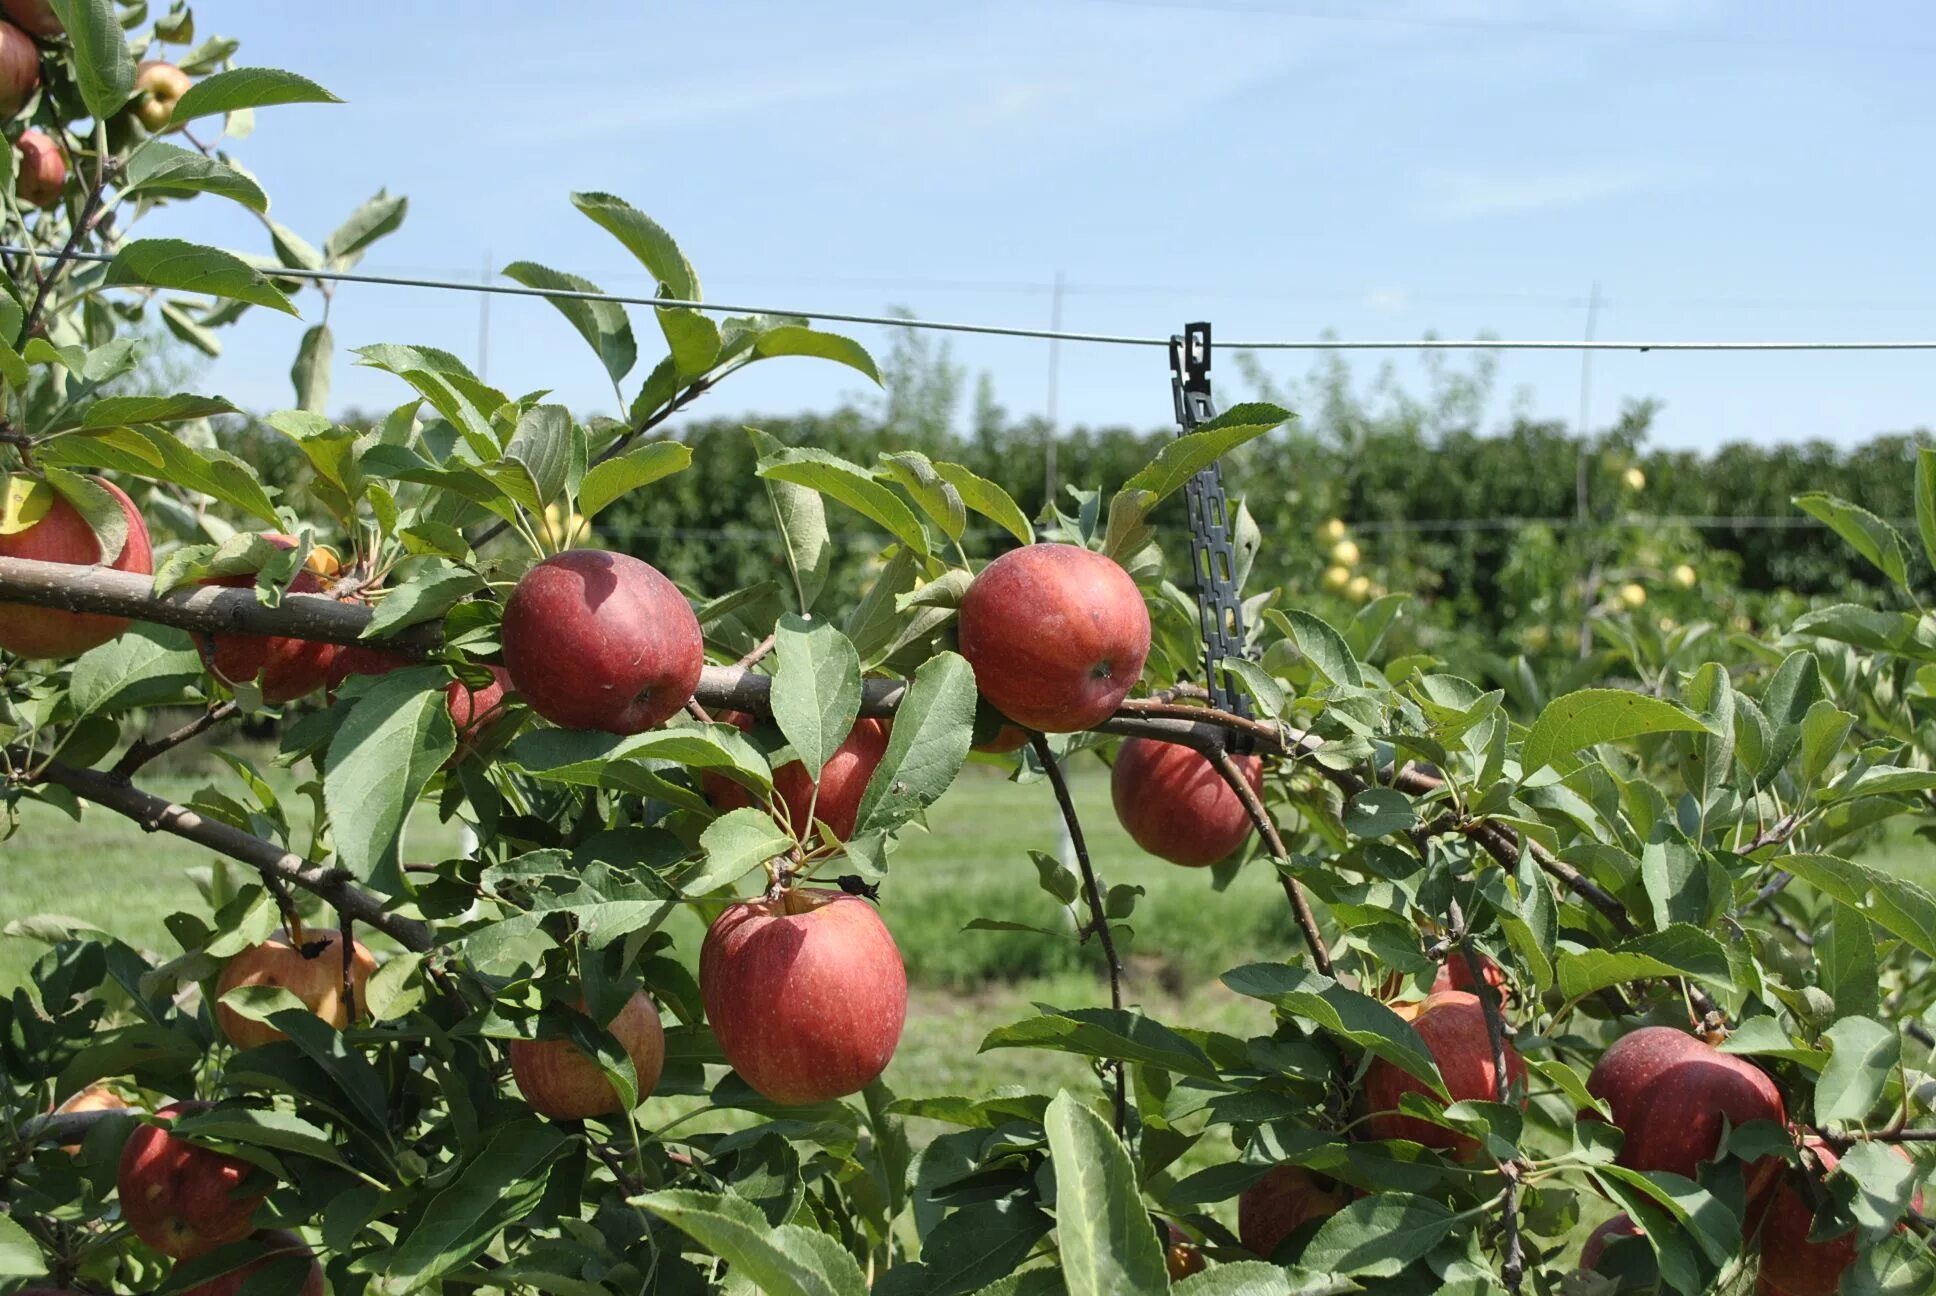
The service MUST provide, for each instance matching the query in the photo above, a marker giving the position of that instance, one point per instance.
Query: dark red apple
(275, 1244)
(19, 69)
(1057, 635)
(1280, 1203)
(164, 85)
(1670, 1094)
(1791, 1265)
(1453, 1025)
(842, 780)
(562, 1081)
(182, 1199)
(1455, 975)
(1181, 1256)
(1595, 1246)
(598, 640)
(62, 535)
(35, 16)
(1176, 805)
(283, 668)
(806, 993)
(312, 970)
(43, 171)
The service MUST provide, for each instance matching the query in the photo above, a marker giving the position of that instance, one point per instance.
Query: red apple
(842, 780)
(1791, 1265)
(182, 1199)
(1453, 1025)
(1595, 1246)
(284, 668)
(1670, 1093)
(1057, 635)
(1455, 975)
(19, 69)
(275, 1244)
(598, 640)
(806, 993)
(35, 16)
(562, 1081)
(311, 970)
(62, 535)
(1182, 1257)
(1176, 805)
(43, 171)
(1280, 1203)
(164, 84)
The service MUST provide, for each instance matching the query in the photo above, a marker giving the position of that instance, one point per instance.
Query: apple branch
(143, 750)
(1513, 1263)
(1098, 915)
(1300, 905)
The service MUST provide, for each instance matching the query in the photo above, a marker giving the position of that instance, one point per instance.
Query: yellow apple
(1336, 579)
(1345, 553)
(1359, 589)
(1632, 596)
(1332, 531)
(1634, 479)
(1685, 576)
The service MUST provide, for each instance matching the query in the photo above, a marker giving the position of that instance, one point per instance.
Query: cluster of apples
(42, 165)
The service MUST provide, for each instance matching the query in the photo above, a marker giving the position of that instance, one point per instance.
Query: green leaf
(1345, 1013)
(309, 374)
(159, 455)
(119, 411)
(381, 215)
(783, 1261)
(1257, 1278)
(1679, 950)
(100, 510)
(145, 666)
(851, 485)
(799, 340)
(1824, 728)
(1880, 780)
(933, 729)
(1846, 955)
(1593, 716)
(1897, 906)
(801, 516)
(430, 592)
(914, 473)
(395, 988)
(1926, 501)
(989, 500)
(980, 1243)
(395, 737)
(496, 1186)
(816, 688)
(604, 325)
(239, 88)
(103, 67)
(158, 167)
(1379, 812)
(19, 1257)
(1379, 1235)
(190, 267)
(640, 466)
(735, 844)
(644, 239)
(1864, 1053)
(1105, 1033)
(589, 758)
(1175, 464)
(1322, 646)
(1106, 1244)
(1864, 532)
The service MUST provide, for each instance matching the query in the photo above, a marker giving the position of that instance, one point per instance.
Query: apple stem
(1098, 916)
(1300, 904)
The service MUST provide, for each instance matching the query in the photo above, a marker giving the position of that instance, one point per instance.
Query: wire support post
(1213, 558)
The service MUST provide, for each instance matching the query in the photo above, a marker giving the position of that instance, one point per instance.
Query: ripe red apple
(598, 640)
(96, 1097)
(62, 535)
(19, 69)
(283, 668)
(1453, 1025)
(182, 1199)
(842, 780)
(562, 1081)
(1670, 1092)
(1057, 635)
(311, 970)
(165, 84)
(1280, 1203)
(806, 993)
(35, 16)
(1453, 974)
(275, 1244)
(1176, 805)
(1595, 1246)
(1791, 1265)
(43, 171)
(1182, 1257)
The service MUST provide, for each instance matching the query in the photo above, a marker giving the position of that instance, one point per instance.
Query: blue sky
(1385, 169)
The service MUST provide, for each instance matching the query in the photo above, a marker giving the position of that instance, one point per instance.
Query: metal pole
(1055, 372)
(1586, 394)
(484, 276)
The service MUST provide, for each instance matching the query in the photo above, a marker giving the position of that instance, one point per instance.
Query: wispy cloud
(1462, 194)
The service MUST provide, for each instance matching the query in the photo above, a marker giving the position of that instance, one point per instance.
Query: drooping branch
(1300, 906)
(1098, 913)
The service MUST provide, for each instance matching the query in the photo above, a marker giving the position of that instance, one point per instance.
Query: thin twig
(1098, 916)
(343, 925)
(83, 225)
(760, 650)
(143, 750)
(1300, 905)
(1513, 1264)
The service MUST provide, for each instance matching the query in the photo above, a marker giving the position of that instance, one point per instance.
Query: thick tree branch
(277, 865)
(1300, 906)
(1098, 914)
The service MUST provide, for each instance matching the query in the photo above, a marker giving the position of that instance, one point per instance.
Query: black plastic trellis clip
(1213, 558)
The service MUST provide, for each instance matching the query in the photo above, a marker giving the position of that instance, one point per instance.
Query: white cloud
(1461, 194)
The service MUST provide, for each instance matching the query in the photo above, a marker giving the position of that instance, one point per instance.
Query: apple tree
(1596, 992)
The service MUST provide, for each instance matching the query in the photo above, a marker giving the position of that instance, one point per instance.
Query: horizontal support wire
(1056, 335)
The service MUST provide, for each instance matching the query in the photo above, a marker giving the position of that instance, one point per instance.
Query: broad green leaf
(734, 844)
(145, 666)
(1593, 716)
(239, 88)
(159, 455)
(118, 411)
(644, 239)
(1257, 1278)
(980, 1243)
(1106, 1244)
(103, 67)
(1679, 950)
(395, 989)
(101, 511)
(1864, 1053)
(816, 688)
(1322, 646)
(1379, 812)
(1379, 1235)
(1880, 780)
(916, 475)
(162, 168)
(496, 1186)
(309, 373)
(1892, 903)
(799, 340)
(640, 466)
(1865, 533)
(1824, 728)
(851, 485)
(19, 1257)
(588, 758)
(1106, 1033)
(430, 591)
(1183, 458)
(783, 1261)
(989, 500)
(1870, 628)
(1347, 1014)
(395, 737)
(1926, 501)
(1846, 954)
(381, 215)
(190, 267)
(801, 516)
(933, 729)
(604, 325)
